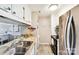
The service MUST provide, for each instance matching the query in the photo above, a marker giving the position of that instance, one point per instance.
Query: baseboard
(44, 43)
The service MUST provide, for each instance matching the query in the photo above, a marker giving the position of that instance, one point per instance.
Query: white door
(44, 30)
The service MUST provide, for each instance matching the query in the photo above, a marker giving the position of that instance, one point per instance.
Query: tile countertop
(4, 47)
(30, 39)
(7, 45)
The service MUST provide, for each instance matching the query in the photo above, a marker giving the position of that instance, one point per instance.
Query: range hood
(11, 18)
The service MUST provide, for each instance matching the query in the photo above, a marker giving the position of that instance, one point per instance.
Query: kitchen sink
(24, 43)
(20, 51)
(27, 43)
(22, 47)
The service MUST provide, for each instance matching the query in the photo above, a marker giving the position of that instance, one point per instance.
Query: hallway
(44, 50)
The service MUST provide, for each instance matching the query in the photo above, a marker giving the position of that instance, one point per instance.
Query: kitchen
(22, 27)
(31, 29)
(15, 33)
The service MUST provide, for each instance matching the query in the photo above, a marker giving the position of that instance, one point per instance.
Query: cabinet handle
(23, 13)
(8, 8)
(23, 17)
(14, 12)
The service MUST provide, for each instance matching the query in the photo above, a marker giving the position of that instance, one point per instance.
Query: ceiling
(42, 9)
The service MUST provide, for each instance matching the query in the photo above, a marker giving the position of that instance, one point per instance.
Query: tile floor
(44, 50)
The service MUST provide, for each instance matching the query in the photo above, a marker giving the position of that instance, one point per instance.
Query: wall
(44, 30)
(34, 19)
(54, 23)
(62, 24)
(65, 8)
(5, 27)
(13, 29)
(35, 24)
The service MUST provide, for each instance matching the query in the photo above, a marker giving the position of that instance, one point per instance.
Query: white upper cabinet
(17, 10)
(27, 14)
(6, 7)
(22, 11)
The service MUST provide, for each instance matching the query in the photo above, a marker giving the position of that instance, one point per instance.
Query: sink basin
(27, 43)
(22, 47)
(20, 51)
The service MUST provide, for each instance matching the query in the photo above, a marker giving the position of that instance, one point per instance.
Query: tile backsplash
(10, 31)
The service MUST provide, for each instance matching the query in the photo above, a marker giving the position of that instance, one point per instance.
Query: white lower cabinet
(10, 52)
(33, 51)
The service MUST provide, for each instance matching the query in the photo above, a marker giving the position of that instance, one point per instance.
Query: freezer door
(70, 36)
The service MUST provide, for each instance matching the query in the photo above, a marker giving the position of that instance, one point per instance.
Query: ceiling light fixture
(53, 7)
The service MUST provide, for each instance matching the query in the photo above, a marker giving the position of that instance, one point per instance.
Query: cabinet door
(6, 7)
(27, 14)
(33, 52)
(17, 10)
